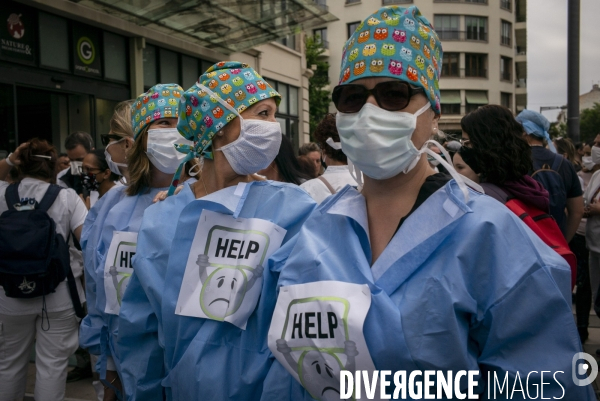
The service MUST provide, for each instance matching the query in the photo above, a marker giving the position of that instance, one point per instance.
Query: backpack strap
(558, 159)
(73, 292)
(12, 196)
(327, 184)
(49, 197)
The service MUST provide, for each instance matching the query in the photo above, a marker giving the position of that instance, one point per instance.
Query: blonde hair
(120, 122)
(138, 164)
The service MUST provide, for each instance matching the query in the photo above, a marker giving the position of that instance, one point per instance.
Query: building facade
(484, 43)
(64, 65)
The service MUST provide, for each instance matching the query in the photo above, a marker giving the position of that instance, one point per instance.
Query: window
(476, 65)
(287, 113)
(450, 65)
(169, 67)
(288, 41)
(115, 57)
(387, 2)
(150, 73)
(352, 1)
(506, 33)
(352, 27)
(521, 10)
(475, 99)
(447, 26)
(189, 71)
(54, 41)
(450, 101)
(505, 4)
(505, 68)
(321, 36)
(506, 100)
(476, 28)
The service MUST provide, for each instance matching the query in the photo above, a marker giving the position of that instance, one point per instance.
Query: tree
(589, 123)
(558, 130)
(318, 97)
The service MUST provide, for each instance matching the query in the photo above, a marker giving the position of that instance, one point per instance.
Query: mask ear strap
(356, 174)
(423, 109)
(460, 180)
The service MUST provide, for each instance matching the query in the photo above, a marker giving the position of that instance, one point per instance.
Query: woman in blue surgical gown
(194, 321)
(415, 271)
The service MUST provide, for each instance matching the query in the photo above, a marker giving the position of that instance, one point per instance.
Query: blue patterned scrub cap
(161, 101)
(395, 42)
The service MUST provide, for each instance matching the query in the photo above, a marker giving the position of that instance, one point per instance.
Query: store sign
(86, 60)
(18, 33)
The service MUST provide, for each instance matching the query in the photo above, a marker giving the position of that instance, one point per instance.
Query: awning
(450, 97)
(225, 26)
(477, 97)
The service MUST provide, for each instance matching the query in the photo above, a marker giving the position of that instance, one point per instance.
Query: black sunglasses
(390, 95)
(106, 138)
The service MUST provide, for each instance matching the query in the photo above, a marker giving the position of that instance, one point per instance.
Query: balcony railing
(505, 76)
(461, 1)
(520, 51)
(389, 2)
(462, 35)
(352, 1)
(521, 18)
(505, 40)
(506, 4)
(464, 72)
(521, 83)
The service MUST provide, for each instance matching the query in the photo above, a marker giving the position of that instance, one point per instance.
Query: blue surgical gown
(461, 286)
(203, 359)
(115, 211)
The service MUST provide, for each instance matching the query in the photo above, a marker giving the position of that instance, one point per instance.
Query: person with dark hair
(337, 175)
(97, 177)
(285, 167)
(63, 162)
(565, 190)
(78, 144)
(50, 321)
(312, 153)
(307, 167)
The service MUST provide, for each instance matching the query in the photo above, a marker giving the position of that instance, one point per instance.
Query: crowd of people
(202, 245)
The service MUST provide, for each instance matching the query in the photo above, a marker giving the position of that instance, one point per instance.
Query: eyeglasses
(390, 95)
(466, 143)
(106, 138)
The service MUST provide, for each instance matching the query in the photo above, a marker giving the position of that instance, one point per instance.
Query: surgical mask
(89, 181)
(596, 154)
(161, 149)
(76, 167)
(112, 165)
(377, 141)
(587, 162)
(257, 145)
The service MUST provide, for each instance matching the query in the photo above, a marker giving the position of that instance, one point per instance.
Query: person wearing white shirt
(21, 319)
(337, 175)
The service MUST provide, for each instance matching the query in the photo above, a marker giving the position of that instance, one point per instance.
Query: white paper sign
(118, 269)
(317, 331)
(224, 271)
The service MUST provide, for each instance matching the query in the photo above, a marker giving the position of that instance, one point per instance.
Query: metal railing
(462, 35)
(352, 1)
(461, 1)
(521, 83)
(506, 4)
(520, 51)
(388, 2)
(506, 40)
(464, 72)
(505, 76)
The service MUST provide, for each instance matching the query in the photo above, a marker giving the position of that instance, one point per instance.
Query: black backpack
(34, 258)
(549, 177)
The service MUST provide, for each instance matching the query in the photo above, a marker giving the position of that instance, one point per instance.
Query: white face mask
(587, 162)
(257, 145)
(76, 167)
(161, 149)
(377, 141)
(596, 154)
(112, 165)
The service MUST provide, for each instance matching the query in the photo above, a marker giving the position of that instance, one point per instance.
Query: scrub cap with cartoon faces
(395, 42)
(235, 86)
(161, 101)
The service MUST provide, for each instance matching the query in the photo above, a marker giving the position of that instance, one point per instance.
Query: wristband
(11, 164)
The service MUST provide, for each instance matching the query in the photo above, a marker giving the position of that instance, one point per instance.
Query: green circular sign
(86, 50)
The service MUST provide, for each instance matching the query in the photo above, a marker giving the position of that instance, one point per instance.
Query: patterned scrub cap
(223, 92)
(395, 42)
(161, 101)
